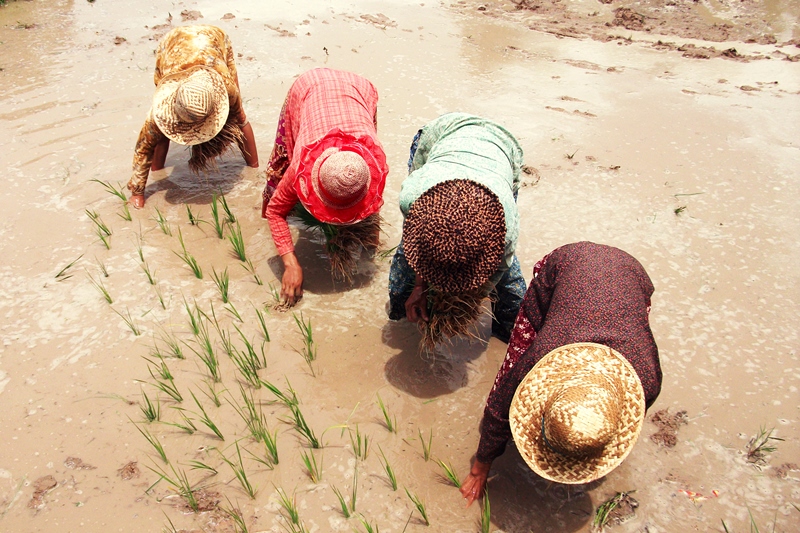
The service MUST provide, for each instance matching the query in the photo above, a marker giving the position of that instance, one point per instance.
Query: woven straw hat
(578, 413)
(190, 107)
(340, 179)
(454, 235)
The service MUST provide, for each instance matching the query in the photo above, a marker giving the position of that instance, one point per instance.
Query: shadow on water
(184, 187)
(430, 374)
(521, 501)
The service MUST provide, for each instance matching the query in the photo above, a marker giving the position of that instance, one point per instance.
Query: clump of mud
(667, 424)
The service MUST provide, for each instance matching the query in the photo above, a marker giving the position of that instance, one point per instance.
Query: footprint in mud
(41, 486)
(667, 424)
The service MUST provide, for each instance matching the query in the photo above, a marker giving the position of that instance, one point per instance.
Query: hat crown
(582, 416)
(343, 179)
(194, 100)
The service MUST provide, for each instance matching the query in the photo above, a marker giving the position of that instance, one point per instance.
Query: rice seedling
(388, 469)
(160, 296)
(419, 505)
(240, 472)
(369, 528)
(289, 400)
(291, 515)
(98, 222)
(313, 469)
(276, 295)
(248, 266)
(150, 410)
(680, 209)
(103, 238)
(194, 317)
(603, 512)
(188, 258)
(486, 513)
(449, 473)
(166, 385)
(342, 503)
(262, 323)
(126, 213)
(256, 422)
(451, 316)
(194, 220)
(171, 528)
(236, 515)
(186, 423)
(180, 481)
(139, 245)
(129, 321)
(235, 312)
(228, 213)
(309, 350)
(162, 222)
(199, 465)
(354, 490)
(63, 273)
(101, 289)
(118, 192)
(426, 446)
(102, 267)
(206, 352)
(212, 393)
(760, 445)
(391, 422)
(360, 444)
(174, 345)
(301, 426)
(237, 242)
(384, 254)
(205, 418)
(151, 275)
(221, 281)
(153, 440)
(219, 224)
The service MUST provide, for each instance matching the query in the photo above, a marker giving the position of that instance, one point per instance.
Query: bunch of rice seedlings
(188, 258)
(450, 315)
(309, 350)
(289, 399)
(102, 267)
(194, 316)
(426, 446)
(348, 508)
(289, 505)
(248, 266)
(204, 418)
(180, 481)
(343, 243)
(369, 528)
(194, 220)
(102, 230)
(301, 426)
(237, 242)
(603, 512)
(262, 323)
(151, 275)
(101, 288)
(228, 213)
(115, 191)
(388, 469)
(153, 440)
(342, 503)
(759, 446)
(150, 410)
(186, 424)
(486, 513)
(63, 274)
(360, 444)
(173, 344)
(313, 469)
(419, 505)
(240, 472)
(212, 393)
(449, 473)
(162, 222)
(163, 378)
(126, 213)
(222, 282)
(236, 515)
(219, 224)
(234, 312)
(390, 421)
(128, 321)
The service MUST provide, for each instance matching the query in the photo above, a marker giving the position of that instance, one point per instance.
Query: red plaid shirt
(318, 101)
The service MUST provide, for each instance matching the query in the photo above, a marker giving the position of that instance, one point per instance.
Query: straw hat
(190, 107)
(341, 178)
(454, 235)
(578, 413)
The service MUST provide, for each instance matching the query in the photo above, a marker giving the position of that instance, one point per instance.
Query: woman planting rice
(327, 159)
(197, 103)
(460, 229)
(581, 368)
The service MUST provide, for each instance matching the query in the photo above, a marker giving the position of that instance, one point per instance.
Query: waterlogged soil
(666, 128)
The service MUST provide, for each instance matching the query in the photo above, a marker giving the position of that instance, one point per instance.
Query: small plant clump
(760, 445)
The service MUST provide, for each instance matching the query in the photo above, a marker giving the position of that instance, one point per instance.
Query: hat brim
(527, 407)
(372, 153)
(189, 134)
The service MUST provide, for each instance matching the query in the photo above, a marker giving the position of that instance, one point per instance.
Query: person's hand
(417, 303)
(136, 200)
(474, 484)
(292, 281)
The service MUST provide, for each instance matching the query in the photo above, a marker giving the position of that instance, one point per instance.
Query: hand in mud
(474, 484)
(137, 200)
(417, 303)
(292, 281)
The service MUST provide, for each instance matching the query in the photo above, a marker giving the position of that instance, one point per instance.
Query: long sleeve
(149, 137)
(280, 205)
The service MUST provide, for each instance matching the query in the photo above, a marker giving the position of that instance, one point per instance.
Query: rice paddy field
(151, 380)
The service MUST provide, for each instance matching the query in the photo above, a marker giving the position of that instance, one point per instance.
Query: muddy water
(689, 165)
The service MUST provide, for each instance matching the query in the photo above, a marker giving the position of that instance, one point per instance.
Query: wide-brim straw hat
(191, 107)
(577, 414)
(454, 235)
(341, 178)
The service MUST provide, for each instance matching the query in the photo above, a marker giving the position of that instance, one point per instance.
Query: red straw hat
(341, 178)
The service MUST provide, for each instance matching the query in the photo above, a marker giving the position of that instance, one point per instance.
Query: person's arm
(292, 280)
(279, 207)
(150, 152)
